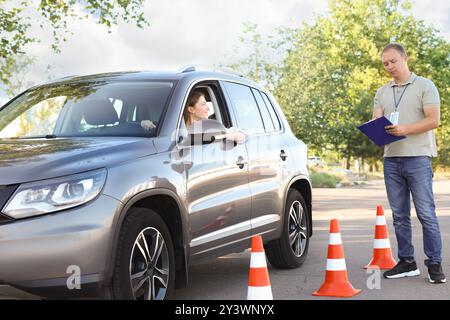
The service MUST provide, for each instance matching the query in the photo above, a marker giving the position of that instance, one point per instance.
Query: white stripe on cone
(381, 243)
(336, 265)
(258, 260)
(380, 221)
(259, 293)
(335, 239)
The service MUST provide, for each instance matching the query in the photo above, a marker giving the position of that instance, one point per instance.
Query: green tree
(263, 55)
(331, 75)
(18, 68)
(15, 24)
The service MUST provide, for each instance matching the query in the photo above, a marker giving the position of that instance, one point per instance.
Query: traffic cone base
(337, 285)
(339, 290)
(383, 260)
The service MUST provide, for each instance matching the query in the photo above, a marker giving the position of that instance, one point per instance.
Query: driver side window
(209, 105)
(209, 93)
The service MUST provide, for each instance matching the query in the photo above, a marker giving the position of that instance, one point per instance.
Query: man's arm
(431, 121)
(377, 113)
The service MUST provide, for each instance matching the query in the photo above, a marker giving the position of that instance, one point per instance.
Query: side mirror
(203, 132)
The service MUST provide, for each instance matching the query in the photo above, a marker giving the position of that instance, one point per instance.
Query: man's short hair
(396, 46)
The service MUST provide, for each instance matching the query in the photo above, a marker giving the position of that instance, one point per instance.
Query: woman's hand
(147, 125)
(237, 136)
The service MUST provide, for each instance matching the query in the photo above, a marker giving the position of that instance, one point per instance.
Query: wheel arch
(302, 185)
(167, 205)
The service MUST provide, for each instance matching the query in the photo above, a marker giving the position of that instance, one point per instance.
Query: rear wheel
(291, 249)
(145, 261)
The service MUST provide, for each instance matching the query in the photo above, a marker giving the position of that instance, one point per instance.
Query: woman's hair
(192, 100)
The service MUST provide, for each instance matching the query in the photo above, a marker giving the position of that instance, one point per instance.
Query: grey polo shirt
(420, 92)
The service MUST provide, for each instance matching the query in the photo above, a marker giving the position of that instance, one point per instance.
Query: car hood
(36, 159)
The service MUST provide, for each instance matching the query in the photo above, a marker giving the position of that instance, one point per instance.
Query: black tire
(144, 226)
(280, 253)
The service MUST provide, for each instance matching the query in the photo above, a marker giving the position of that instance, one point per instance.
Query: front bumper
(43, 254)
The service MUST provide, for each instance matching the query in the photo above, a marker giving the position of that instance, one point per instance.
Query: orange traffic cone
(382, 253)
(336, 281)
(258, 283)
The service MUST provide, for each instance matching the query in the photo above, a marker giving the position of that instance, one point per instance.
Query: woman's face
(200, 109)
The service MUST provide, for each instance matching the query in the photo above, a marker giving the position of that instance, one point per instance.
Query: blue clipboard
(374, 130)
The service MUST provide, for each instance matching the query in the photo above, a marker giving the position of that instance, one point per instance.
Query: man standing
(412, 104)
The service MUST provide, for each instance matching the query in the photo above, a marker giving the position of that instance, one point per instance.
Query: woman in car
(197, 109)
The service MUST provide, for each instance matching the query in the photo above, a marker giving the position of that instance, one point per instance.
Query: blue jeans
(413, 175)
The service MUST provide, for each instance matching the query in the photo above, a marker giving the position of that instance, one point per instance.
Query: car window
(268, 123)
(116, 103)
(246, 109)
(87, 109)
(210, 95)
(273, 114)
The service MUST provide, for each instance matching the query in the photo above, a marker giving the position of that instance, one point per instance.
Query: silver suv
(105, 193)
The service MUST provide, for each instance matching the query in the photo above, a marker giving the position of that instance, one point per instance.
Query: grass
(324, 180)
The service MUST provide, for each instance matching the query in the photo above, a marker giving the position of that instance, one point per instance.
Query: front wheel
(145, 261)
(291, 249)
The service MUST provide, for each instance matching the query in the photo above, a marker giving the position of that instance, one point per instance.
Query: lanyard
(396, 104)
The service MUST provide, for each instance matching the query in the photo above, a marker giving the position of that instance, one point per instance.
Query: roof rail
(188, 69)
(192, 68)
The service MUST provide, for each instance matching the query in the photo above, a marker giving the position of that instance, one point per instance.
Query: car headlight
(45, 196)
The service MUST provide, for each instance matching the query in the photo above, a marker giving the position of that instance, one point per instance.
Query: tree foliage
(15, 23)
(264, 56)
(331, 75)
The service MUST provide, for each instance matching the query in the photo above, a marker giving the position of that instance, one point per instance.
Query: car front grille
(5, 193)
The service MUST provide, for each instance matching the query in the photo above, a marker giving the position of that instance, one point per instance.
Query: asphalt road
(227, 277)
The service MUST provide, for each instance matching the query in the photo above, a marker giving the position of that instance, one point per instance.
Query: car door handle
(241, 162)
(283, 155)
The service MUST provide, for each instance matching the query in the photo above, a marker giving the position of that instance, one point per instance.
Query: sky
(183, 32)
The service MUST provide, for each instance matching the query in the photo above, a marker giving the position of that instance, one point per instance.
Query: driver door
(218, 194)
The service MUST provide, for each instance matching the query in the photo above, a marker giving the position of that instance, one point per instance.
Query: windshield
(86, 109)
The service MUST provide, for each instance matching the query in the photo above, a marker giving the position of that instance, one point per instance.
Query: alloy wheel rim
(297, 229)
(149, 266)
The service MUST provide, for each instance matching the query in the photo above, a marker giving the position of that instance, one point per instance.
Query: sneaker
(435, 274)
(402, 269)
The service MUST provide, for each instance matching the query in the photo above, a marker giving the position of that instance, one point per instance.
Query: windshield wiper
(47, 136)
